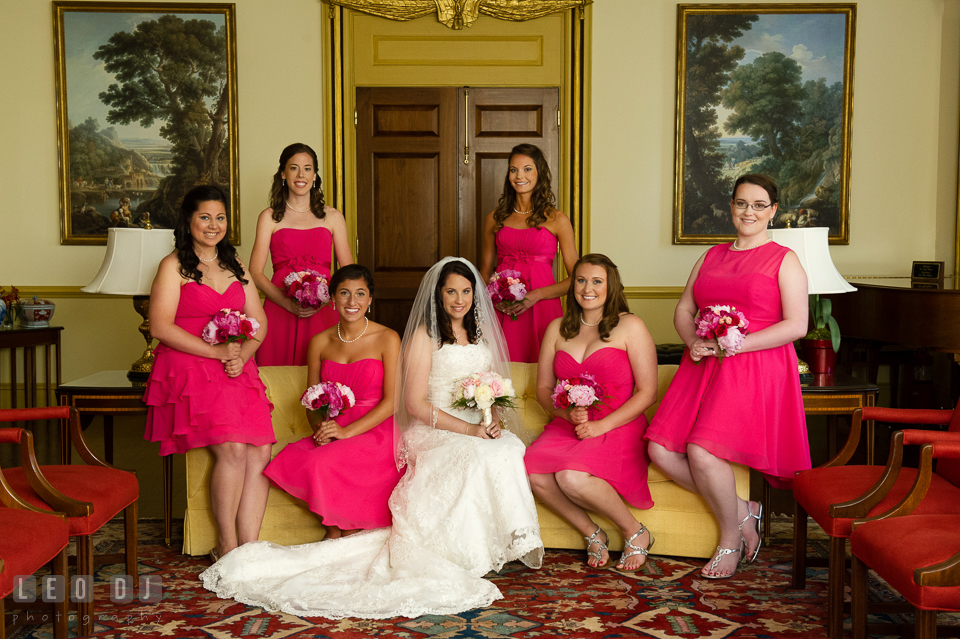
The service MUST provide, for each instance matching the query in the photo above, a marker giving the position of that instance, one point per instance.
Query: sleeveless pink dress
(530, 251)
(191, 401)
(747, 408)
(348, 481)
(288, 335)
(619, 456)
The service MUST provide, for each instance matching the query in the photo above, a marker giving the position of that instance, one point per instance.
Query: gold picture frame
(134, 136)
(796, 128)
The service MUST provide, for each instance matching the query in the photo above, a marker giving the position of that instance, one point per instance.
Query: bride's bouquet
(582, 391)
(483, 391)
(725, 324)
(230, 326)
(507, 286)
(328, 399)
(308, 288)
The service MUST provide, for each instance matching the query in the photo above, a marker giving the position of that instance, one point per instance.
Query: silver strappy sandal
(597, 554)
(721, 553)
(758, 517)
(634, 550)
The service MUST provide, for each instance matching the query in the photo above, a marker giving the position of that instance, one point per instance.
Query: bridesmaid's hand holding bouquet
(307, 288)
(726, 325)
(507, 287)
(325, 401)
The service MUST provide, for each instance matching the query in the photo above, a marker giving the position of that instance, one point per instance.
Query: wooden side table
(110, 393)
(26, 341)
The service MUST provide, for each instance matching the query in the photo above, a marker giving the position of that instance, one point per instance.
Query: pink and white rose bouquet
(328, 399)
(308, 287)
(582, 391)
(230, 326)
(483, 391)
(507, 286)
(725, 324)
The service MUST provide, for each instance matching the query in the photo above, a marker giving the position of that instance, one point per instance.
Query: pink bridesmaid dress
(530, 251)
(618, 456)
(288, 335)
(348, 481)
(191, 400)
(747, 408)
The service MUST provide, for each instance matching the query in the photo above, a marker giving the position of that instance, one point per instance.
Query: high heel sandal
(758, 517)
(721, 553)
(635, 550)
(597, 554)
(214, 555)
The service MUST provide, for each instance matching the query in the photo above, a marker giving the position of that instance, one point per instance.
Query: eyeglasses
(756, 206)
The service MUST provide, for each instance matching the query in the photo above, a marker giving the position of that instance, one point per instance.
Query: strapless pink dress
(348, 481)
(191, 401)
(288, 335)
(530, 251)
(619, 456)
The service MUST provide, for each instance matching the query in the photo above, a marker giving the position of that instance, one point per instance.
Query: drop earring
(284, 182)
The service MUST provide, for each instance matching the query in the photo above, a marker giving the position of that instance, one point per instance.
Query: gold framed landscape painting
(146, 110)
(763, 88)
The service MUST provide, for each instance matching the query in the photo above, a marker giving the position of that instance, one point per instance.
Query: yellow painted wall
(904, 154)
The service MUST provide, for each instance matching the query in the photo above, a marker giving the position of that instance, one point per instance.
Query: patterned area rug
(564, 598)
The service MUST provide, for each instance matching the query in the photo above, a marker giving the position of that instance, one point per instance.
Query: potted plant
(821, 344)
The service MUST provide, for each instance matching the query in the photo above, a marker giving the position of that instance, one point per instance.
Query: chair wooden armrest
(849, 446)
(945, 574)
(861, 505)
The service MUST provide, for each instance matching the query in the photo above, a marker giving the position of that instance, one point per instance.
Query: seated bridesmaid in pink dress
(749, 409)
(346, 470)
(593, 452)
(522, 235)
(297, 232)
(199, 394)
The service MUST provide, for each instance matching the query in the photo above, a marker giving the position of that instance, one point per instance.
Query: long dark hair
(352, 272)
(279, 191)
(542, 197)
(615, 303)
(443, 320)
(183, 240)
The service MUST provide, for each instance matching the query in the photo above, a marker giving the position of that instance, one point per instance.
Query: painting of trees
(764, 89)
(170, 75)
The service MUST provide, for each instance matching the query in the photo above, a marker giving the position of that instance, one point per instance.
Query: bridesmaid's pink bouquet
(507, 286)
(328, 399)
(230, 326)
(482, 391)
(308, 287)
(725, 324)
(582, 391)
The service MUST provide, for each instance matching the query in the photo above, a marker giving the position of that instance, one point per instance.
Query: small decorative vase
(820, 356)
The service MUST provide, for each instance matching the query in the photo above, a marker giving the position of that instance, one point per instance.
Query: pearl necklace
(749, 248)
(585, 324)
(523, 212)
(351, 341)
(216, 252)
(306, 210)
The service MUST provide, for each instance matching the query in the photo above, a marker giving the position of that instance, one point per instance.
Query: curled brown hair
(615, 303)
(279, 191)
(444, 326)
(542, 197)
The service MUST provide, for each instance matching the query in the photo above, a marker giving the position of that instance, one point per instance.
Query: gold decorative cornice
(458, 14)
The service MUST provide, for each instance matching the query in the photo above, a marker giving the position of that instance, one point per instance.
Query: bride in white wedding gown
(462, 509)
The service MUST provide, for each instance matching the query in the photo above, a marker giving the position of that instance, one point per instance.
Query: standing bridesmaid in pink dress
(522, 235)
(297, 231)
(588, 458)
(749, 409)
(203, 395)
(346, 470)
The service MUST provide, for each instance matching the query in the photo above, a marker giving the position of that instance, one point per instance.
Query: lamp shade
(131, 261)
(812, 246)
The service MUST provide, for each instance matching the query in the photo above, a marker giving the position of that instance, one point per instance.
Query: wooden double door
(431, 164)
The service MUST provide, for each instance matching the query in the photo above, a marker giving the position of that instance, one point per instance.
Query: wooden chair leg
(85, 566)
(858, 603)
(835, 580)
(130, 539)
(926, 624)
(61, 609)
(3, 619)
(799, 546)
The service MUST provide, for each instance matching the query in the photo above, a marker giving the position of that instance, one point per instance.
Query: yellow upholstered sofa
(681, 522)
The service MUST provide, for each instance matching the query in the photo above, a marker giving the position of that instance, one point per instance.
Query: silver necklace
(523, 212)
(216, 252)
(456, 336)
(585, 324)
(750, 248)
(351, 341)
(306, 210)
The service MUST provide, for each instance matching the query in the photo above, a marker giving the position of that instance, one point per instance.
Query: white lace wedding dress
(462, 509)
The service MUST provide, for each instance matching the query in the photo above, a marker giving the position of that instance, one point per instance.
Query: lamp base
(140, 369)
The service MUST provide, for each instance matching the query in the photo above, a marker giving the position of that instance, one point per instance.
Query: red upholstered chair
(918, 555)
(29, 539)
(90, 495)
(835, 495)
